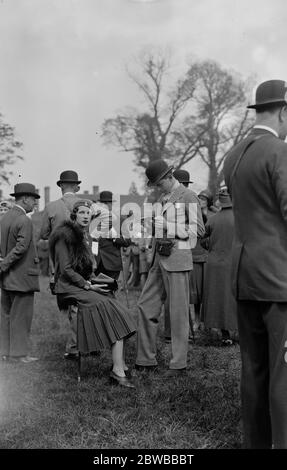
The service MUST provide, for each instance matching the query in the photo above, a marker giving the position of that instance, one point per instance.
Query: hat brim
(35, 195)
(68, 181)
(160, 177)
(266, 103)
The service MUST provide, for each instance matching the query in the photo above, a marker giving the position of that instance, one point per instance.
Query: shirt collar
(20, 207)
(266, 128)
(69, 192)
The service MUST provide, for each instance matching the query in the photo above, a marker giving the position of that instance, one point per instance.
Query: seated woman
(104, 321)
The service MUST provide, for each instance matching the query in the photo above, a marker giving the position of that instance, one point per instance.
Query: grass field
(42, 406)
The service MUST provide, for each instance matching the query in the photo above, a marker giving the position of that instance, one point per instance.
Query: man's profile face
(165, 185)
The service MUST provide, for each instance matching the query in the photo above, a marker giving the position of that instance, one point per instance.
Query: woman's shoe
(124, 381)
(127, 372)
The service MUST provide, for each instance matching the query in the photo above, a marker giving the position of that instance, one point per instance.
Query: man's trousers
(176, 285)
(17, 310)
(263, 343)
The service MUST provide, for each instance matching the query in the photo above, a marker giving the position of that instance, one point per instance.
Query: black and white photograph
(143, 228)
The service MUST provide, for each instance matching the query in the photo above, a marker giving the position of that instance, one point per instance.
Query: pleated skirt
(102, 320)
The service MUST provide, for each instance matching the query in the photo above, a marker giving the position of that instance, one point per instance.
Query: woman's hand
(101, 289)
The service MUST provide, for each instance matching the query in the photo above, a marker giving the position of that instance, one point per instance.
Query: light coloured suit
(170, 275)
(19, 280)
(55, 213)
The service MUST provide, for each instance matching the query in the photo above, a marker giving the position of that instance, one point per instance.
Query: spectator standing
(54, 214)
(255, 172)
(19, 268)
(219, 306)
(172, 262)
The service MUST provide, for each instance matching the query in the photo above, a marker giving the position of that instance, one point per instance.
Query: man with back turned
(256, 174)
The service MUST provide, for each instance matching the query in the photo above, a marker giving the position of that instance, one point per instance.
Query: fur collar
(79, 253)
(69, 232)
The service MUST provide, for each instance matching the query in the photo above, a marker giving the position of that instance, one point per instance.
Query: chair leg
(79, 367)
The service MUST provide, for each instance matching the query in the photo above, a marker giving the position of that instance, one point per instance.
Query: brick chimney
(46, 195)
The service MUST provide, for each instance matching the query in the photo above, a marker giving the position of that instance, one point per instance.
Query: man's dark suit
(109, 259)
(259, 195)
(19, 280)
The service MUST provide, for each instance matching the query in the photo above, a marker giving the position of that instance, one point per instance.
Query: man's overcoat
(260, 210)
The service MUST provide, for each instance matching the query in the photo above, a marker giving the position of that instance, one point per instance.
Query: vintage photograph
(143, 226)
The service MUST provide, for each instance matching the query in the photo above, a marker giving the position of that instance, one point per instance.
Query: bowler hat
(26, 189)
(182, 176)
(157, 170)
(270, 93)
(224, 199)
(106, 196)
(68, 176)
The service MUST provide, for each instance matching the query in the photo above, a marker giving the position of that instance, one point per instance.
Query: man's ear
(283, 114)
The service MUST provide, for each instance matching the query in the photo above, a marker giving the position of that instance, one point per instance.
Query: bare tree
(9, 149)
(220, 116)
(202, 115)
(154, 133)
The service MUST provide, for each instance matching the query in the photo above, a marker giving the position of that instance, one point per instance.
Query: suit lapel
(177, 193)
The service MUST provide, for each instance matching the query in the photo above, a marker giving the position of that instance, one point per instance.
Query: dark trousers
(17, 310)
(262, 330)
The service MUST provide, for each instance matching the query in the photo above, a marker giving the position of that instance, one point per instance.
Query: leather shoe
(175, 373)
(123, 381)
(71, 356)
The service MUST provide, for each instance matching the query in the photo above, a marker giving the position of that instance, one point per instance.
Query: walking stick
(125, 288)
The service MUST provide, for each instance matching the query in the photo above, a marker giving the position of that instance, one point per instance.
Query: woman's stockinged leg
(118, 358)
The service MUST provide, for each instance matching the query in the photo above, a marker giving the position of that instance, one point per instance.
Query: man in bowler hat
(183, 177)
(176, 230)
(256, 175)
(19, 269)
(54, 214)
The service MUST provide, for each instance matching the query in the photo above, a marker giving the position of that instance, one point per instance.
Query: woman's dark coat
(219, 306)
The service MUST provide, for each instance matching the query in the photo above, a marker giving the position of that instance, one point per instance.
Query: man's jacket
(183, 215)
(20, 265)
(259, 196)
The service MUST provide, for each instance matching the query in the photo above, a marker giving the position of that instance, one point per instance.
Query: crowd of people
(205, 264)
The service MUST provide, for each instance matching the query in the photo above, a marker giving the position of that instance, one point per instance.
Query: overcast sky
(63, 72)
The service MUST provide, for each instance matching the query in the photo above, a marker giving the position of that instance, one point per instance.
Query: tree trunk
(213, 180)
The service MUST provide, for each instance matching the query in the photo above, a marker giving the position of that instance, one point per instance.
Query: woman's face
(203, 202)
(83, 216)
